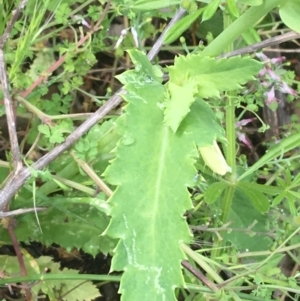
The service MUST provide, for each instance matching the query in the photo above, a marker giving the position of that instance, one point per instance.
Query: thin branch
(15, 182)
(11, 23)
(200, 276)
(282, 50)
(92, 174)
(10, 116)
(11, 223)
(291, 35)
(160, 41)
(20, 211)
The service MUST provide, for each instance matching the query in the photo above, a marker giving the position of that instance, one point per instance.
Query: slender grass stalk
(239, 26)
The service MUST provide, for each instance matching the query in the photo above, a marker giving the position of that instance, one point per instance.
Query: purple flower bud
(244, 139)
(287, 89)
(81, 20)
(271, 96)
(243, 122)
(262, 72)
(273, 75)
(277, 60)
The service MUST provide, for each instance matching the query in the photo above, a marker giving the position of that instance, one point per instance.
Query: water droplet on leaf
(161, 105)
(138, 67)
(148, 79)
(127, 139)
(196, 177)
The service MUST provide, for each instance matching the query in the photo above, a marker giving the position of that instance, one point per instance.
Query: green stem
(224, 42)
(92, 174)
(60, 277)
(227, 202)
(45, 117)
(84, 277)
(239, 26)
(230, 150)
(230, 135)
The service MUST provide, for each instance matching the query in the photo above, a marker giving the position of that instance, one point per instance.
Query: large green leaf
(178, 103)
(152, 170)
(214, 191)
(68, 290)
(251, 2)
(211, 75)
(204, 77)
(243, 215)
(290, 14)
(153, 4)
(70, 222)
(201, 123)
(258, 199)
(271, 190)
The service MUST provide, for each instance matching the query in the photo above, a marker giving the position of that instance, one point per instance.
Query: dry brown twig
(10, 116)
(200, 276)
(14, 17)
(291, 35)
(15, 243)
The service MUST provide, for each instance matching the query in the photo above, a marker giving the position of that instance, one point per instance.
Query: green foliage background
(157, 185)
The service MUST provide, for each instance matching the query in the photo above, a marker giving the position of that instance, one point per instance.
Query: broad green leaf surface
(74, 222)
(214, 191)
(152, 172)
(290, 14)
(258, 199)
(153, 4)
(271, 190)
(242, 215)
(210, 9)
(152, 169)
(201, 124)
(204, 77)
(69, 289)
(211, 75)
(251, 2)
(148, 74)
(178, 103)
